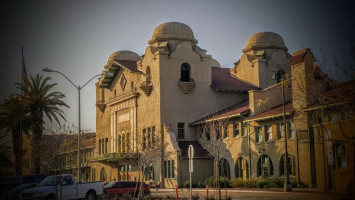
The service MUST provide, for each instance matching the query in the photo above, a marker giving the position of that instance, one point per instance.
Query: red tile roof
(222, 80)
(278, 110)
(239, 108)
(298, 58)
(130, 65)
(343, 92)
(199, 151)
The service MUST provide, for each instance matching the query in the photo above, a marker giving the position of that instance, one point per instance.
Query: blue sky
(76, 37)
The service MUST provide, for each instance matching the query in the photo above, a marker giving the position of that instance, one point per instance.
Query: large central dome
(172, 31)
(265, 40)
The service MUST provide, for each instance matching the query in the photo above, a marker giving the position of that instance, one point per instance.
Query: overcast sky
(76, 37)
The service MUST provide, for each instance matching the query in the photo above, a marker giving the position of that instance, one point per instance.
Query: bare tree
(215, 129)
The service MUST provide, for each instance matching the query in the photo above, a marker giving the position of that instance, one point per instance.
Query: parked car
(67, 188)
(15, 192)
(120, 188)
(10, 182)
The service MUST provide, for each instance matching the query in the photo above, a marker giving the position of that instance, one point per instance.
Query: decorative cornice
(146, 87)
(186, 87)
(123, 96)
(101, 105)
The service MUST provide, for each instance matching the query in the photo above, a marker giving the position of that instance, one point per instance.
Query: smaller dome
(265, 40)
(124, 55)
(172, 31)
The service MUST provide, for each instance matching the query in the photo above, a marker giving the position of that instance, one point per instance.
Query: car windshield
(49, 181)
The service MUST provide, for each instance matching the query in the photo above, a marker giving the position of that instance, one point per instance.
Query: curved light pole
(79, 89)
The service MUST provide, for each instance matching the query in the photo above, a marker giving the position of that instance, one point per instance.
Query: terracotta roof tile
(130, 65)
(222, 80)
(278, 110)
(199, 151)
(239, 108)
(298, 58)
(343, 92)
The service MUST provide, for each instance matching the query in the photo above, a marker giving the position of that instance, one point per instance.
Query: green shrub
(224, 182)
(257, 183)
(186, 184)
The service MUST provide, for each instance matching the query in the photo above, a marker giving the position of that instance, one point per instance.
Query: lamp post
(280, 76)
(79, 89)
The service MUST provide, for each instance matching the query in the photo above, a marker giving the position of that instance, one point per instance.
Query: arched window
(148, 75)
(103, 175)
(340, 156)
(241, 168)
(265, 168)
(185, 73)
(123, 143)
(119, 143)
(290, 165)
(149, 173)
(224, 169)
(127, 142)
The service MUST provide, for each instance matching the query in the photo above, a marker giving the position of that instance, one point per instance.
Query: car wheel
(91, 196)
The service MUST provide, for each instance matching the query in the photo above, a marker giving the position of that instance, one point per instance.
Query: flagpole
(21, 151)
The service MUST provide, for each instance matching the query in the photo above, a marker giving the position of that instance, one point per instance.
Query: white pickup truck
(67, 188)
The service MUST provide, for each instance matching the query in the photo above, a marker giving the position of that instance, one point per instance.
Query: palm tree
(13, 121)
(40, 101)
(6, 164)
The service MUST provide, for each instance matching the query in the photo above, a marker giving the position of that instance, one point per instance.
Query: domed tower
(264, 54)
(123, 55)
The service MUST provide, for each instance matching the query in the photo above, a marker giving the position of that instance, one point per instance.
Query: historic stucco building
(179, 94)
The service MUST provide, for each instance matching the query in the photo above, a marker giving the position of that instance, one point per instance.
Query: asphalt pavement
(252, 194)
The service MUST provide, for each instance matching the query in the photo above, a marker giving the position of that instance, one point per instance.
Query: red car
(120, 188)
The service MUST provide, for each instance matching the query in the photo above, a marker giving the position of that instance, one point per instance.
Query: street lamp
(79, 89)
(280, 76)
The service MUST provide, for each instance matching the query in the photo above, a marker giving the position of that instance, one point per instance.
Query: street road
(247, 194)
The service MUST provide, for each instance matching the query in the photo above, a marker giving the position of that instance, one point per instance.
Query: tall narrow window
(123, 143)
(119, 143)
(153, 136)
(280, 130)
(149, 138)
(225, 131)
(148, 75)
(290, 130)
(268, 132)
(239, 168)
(144, 138)
(290, 165)
(127, 142)
(172, 169)
(185, 72)
(166, 168)
(106, 144)
(341, 158)
(99, 146)
(181, 131)
(264, 167)
(236, 129)
(258, 134)
(103, 175)
(224, 168)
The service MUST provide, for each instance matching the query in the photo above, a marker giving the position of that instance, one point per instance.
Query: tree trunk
(37, 131)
